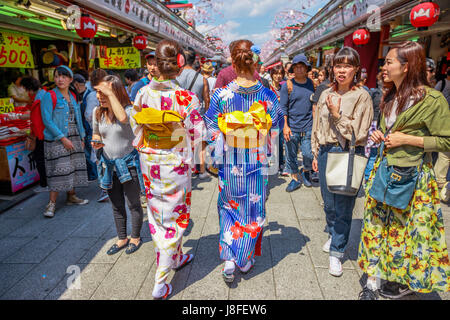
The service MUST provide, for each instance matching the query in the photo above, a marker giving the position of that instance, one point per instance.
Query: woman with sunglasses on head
(65, 163)
(163, 117)
(402, 239)
(342, 110)
(119, 168)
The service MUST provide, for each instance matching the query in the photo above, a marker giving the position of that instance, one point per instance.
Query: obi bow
(255, 118)
(163, 129)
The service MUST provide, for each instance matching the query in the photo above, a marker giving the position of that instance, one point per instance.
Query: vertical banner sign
(15, 51)
(22, 169)
(6, 105)
(121, 58)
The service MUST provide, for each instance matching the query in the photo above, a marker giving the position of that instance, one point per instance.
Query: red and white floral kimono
(166, 171)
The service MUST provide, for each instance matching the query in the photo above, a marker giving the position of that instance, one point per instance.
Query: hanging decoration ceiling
(205, 11)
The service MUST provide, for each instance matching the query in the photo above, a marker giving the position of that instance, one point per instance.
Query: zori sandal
(168, 292)
(184, 261)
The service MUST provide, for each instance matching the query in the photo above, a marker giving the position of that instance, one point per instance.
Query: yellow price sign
(15, 51)
(6, 105)
(121, 58)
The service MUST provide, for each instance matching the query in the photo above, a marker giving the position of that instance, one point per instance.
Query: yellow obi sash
(246, 129)
(163, 129)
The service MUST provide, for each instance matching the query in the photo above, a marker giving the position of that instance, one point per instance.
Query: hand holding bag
(394, 185)
(345, 171)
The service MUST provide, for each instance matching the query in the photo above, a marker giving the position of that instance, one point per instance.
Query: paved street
(36, 252)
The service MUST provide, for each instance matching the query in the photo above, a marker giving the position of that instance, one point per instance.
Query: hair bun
(166, 57)
(242, 56)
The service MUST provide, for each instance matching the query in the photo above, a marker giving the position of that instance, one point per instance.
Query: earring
(355, 79)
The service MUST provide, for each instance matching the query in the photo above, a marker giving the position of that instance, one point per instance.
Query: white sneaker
(335, 267)
(50, 210)
(326, 246)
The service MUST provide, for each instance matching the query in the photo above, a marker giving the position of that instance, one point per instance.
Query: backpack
(37, 125)
(83, 105)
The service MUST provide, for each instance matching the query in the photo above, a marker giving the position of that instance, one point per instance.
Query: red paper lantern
(140, 42)
(424, 15)
(88, 28)
(361, 36)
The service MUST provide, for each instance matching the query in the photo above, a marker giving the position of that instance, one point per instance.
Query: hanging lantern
(88, 28)
(140, 42)
(361, 36)
(424, 15)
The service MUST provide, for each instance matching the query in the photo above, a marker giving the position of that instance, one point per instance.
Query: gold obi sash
(163, 129)
(246, 129)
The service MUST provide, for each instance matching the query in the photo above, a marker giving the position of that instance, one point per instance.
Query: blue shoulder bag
(394, 185)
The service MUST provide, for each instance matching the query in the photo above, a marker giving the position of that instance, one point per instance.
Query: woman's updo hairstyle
(169, 58)
(242, 56)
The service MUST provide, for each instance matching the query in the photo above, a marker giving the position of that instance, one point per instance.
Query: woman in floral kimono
(162, 117)
(238, 121)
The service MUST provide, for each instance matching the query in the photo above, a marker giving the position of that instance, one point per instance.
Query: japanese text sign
(15, 51)
(6, 105)
(22, 168)
(121, 58)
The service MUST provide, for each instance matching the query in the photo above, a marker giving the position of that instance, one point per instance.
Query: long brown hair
(350, 56)
(119, 91)
(412, 86)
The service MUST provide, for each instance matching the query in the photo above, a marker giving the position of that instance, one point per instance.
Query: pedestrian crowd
(144, 138)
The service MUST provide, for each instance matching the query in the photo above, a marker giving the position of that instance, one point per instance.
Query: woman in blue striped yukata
(238, 122)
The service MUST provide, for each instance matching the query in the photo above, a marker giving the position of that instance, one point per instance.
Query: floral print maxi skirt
(407, 246)
(168, 192)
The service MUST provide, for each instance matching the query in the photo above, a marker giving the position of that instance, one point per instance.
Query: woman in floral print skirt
(406, 248)
(162, 117)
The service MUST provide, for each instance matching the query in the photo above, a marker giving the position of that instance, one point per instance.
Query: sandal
(184, 261)
(133, 248)
(115, 248)
(252, 261)
(227, 277)
(168, 292)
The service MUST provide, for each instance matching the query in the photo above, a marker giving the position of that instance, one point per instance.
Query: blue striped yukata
(243, 176)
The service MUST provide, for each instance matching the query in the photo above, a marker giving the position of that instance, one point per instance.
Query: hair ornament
(180, 60)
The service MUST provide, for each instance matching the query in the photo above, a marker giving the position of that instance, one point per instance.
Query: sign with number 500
(15, 51)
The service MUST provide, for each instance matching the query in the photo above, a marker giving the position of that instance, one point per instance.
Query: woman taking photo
(162, 118)
(406, 247)
(119, 169)
(238, 121)
(343, 109)
(65, 163)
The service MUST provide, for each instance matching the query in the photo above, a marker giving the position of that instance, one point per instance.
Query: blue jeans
(304, 139)
(338, 208)
(91, 166)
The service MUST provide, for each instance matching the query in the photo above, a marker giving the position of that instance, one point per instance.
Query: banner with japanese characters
(120, 58)
(22, 167)
(6, 105)
(15, 51)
